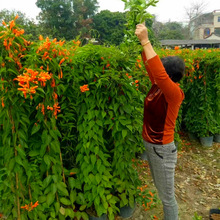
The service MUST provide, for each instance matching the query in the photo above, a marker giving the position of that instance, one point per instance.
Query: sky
(166, 10)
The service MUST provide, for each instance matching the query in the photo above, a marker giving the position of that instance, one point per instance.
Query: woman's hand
(142, 33)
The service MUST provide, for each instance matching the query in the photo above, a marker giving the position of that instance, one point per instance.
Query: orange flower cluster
(138, 63)
(76, 42)
(52, 49)
(56, 109)
(136, 81)
(128, 75)
(146, 195)
(41, 105)
(46, 46)
(9, 36)
(84, 88)
(31, 77)
(30, 206)
(176, 48)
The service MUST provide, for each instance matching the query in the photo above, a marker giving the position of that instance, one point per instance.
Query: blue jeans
(162, 162)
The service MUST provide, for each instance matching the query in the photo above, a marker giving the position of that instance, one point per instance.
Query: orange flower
(30, 206)
(41, 37)
(49, 108)
(43, 77)
(151, 193)
(84, 88)
(3, 104)
(61, 74)
(56, 109)
(53, 83)
(136, 81)
(32, 89)
(12, 24)
(43, 109)
(108, 65)
(55, 96)
(3, 22)
(61, 61)
(176, 48)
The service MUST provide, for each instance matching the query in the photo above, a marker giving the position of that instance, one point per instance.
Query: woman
(161, 109)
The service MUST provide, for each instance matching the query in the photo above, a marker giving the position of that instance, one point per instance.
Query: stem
(61, 160)
(29, 190)
(17, 181)
(14, 136)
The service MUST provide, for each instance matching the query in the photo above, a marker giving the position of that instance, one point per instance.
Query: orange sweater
(161, 105)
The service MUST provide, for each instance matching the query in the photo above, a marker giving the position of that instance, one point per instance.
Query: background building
(206, 26)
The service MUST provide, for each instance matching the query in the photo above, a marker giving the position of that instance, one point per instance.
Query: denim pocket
(173, 151)
(158, 153)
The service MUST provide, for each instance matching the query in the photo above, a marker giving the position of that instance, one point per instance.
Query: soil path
(197, 182)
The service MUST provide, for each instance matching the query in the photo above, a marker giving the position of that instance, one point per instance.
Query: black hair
(174, 66)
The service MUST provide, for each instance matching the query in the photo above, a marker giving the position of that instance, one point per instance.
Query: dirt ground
(197, 183)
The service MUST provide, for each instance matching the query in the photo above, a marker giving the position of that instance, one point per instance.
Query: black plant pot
(217, 138)
(213, 212)
(206, 141)
(127, 211)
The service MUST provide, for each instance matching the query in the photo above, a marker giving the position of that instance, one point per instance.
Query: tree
(195, 10)
(56, 18)
(84, 10)
(110, 26)
(169, 30)
(66, 18)
(30, 27)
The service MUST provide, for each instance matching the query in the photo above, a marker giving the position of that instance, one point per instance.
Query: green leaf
(42, 199)
(97, 201)
(50, 198)
(62, 210)
(65, 201)
(47, 160)
(35, 129)
(57, 207)
(82, 207)
(85, 216)
(98, 178)
(62, 187)
(47, 181)
(71, 182)
(78, 215)
(22, 134)
(124, 133)
(18, 160)
(70, 213)
(93, 160)
(96, 150)
(34, 153)
(73, 196)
